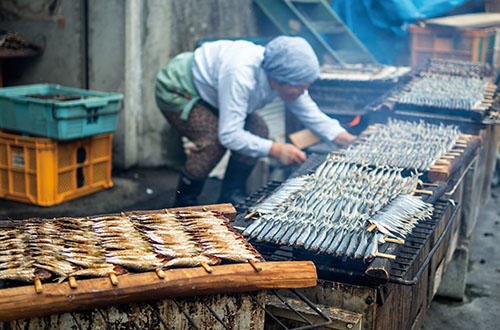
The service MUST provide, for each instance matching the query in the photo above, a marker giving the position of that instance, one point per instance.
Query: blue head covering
(290, 60)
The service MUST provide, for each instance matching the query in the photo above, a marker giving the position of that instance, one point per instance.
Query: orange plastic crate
(47, 172)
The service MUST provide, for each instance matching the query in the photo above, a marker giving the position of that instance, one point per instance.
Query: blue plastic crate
(75, 114)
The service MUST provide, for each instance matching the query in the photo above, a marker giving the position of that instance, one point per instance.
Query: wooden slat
(303, 138)
(24, 302)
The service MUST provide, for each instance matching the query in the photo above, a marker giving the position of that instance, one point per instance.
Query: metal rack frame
(152, 305)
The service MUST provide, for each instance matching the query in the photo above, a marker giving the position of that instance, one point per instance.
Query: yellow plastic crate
(46, 172)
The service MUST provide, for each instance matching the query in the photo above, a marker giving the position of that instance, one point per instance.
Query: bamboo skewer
(384, 255)
(206, 267)
(72, 282)
(431, 184)
(38, 285)
(113, 279)
(422, 191)
(372, 226)
(393, 240)
(438, 168)
(161, 274)
(254, 265)
(249, 215)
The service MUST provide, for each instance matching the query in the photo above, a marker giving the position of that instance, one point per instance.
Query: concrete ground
(481, 305)
(150, 189)
(144, 189)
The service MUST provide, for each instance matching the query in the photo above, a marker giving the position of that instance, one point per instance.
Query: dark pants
(201, 128)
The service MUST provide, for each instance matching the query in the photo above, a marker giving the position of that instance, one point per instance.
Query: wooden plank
(438, 175)
(24, 302)
(303, 138)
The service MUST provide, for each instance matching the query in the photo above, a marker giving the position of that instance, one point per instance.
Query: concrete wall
(57, 26)
(171, 27)
(120, 45)
(106, 57)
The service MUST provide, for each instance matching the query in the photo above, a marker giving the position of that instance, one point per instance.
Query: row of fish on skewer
(331, 210)
(103, 245)
(445, 91)
(406, 144)
(361, 72)
(457, 68)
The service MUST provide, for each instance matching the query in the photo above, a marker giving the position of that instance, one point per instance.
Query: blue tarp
(382, 25)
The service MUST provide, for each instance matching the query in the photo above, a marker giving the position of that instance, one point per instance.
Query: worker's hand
(287, 153)
(343, 139)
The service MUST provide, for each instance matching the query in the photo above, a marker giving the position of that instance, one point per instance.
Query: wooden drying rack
(53, 298)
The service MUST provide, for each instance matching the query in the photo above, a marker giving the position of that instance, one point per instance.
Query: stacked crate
(471, 37)
(55, 143)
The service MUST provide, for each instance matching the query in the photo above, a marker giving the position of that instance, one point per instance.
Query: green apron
(175, 89)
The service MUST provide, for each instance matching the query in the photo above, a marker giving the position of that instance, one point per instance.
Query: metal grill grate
(257, 196)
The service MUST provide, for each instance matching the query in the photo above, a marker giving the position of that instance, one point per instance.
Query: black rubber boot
(234, 182)
(188, 190)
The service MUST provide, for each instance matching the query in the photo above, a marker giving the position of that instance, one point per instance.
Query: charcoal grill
(194, 298)
(362, 83)
(483, 122)
(483, 113)
(408, 283)
(343, 92)
(353, 271)
(397, 290)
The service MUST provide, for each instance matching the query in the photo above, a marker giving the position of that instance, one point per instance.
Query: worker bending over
(210, 96)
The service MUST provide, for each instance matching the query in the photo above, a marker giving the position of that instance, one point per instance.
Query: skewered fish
(335, 206)
(405, 144)
(445, 91)
(98, 246)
